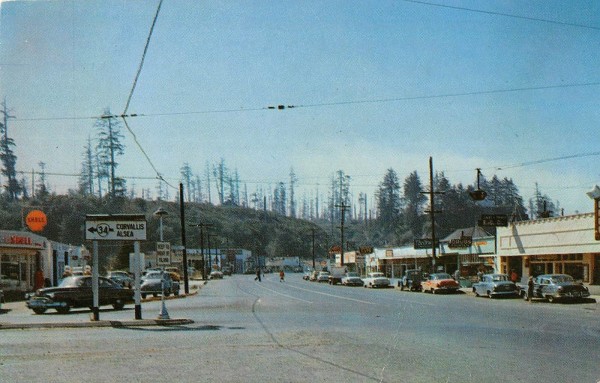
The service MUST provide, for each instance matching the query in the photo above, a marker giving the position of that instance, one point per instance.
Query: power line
(325, 104)
(504, 14)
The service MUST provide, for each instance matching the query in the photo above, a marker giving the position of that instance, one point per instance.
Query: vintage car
(152, 283)
(323, 276)
(376, 279)
(351, 279)
(76, 291)
(216, 274)
(438, 282)
(411, 280)
(121, 277)
(494, 285)
(313, 276)
(555, 287)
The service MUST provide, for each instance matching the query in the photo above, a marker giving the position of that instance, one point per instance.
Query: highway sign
(115, 227)
(163, 253)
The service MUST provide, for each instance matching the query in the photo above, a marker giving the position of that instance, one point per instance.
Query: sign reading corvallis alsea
(115, 227)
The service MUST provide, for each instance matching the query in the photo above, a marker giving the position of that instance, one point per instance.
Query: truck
(336, 273)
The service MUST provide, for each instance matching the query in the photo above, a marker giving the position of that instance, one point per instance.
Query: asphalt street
(241, 330)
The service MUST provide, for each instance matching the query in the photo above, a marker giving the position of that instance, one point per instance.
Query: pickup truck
(336, 273)
(552, 287)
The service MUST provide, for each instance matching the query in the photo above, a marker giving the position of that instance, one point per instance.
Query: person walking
(281, 276)
(530, 287)
(257, 275)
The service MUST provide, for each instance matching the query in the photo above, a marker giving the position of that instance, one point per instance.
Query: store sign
(460, 243)
(597, 219)
(493, 220)
(425, 243)
(115, 227)
(36, 220)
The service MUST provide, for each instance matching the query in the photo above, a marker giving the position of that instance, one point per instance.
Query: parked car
(494, 285)
(227, 271)
(438, 282)
(121, 277)
(152, 284)
(411, 280)
(216, 274)
(307, 275)
(555, 287)
(376, 279)
(76, 291)
(323, 276)
(352, 279)
(314, 275)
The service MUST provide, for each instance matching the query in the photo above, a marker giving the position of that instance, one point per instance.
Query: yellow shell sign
(36, 220)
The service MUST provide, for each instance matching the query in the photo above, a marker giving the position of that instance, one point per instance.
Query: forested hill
(264, 233)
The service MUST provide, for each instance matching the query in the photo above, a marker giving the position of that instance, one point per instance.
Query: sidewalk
(15, 315)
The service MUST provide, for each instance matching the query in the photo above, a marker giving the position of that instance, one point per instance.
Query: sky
(511, 87)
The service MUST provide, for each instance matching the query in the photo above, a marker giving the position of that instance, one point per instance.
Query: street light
(478, 195)
(160, 213)
(163, 314)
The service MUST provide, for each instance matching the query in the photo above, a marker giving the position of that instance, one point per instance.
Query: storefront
(394, 261)
(29, 261)
(562, 245)
(470, 251)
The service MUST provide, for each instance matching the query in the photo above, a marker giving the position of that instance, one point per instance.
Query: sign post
(115, 227)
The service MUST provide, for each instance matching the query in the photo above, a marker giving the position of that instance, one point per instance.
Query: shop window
(575, 270)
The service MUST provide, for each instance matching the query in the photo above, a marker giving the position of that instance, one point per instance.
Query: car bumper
(572, 295)
(43, 303)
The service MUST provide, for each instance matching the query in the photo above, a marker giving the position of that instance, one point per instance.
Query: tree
(389, 203)
(293, 180)
(186, 176)
(108, 148)
(86, 178)
(9, 163)
(414, 202)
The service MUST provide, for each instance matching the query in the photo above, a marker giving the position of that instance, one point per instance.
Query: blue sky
(378, 85)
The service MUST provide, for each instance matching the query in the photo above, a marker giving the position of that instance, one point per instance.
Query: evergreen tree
(86, 178)
(414, 202)
(108, 148)
(9, 164)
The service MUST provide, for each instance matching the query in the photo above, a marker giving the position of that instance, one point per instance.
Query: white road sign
(115, 227)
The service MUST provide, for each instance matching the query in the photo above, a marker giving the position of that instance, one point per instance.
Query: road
(299, 331)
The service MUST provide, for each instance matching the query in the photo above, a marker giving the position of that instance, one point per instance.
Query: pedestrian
(281, 276)
(530, 287)
(257, 275)
(480, 275)
(514, 277)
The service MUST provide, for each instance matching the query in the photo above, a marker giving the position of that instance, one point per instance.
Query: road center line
(285, 295)
(332, 295)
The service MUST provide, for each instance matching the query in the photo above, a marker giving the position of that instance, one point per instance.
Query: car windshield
(499, 277)
(376, 275)
(153, 275)
(561, 278)
(70, 282)
(352, 274)
(441, 276)
(324, 273)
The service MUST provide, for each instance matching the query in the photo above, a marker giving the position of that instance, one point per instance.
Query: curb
(112, 323)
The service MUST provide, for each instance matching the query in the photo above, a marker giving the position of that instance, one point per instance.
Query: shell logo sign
(36, 220)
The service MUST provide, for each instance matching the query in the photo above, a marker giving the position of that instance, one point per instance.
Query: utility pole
(432, 212)
(313, 247)
(343, 208)
(185, 262)
(202, 226)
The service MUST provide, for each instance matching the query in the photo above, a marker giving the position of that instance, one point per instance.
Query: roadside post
(115, 227)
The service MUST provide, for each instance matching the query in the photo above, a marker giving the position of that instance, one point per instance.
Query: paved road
(298, 331)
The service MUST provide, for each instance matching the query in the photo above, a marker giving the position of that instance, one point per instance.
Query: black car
(76, 291)
(411, 280)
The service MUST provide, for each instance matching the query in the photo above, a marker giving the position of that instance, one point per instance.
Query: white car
(376, 280)
(352, 279)
(323, 276)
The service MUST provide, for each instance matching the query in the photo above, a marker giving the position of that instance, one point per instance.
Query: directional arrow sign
(115, 227)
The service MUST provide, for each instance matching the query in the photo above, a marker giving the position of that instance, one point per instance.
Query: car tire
(475, 292)
(118, 304)
(490, 295)
(143, 296)
(525, 296)
(39, 310)
(550, 299)
(433, 291)
(64, 309)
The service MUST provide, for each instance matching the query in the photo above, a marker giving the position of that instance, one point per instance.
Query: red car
(440, 282)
